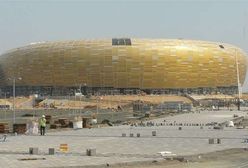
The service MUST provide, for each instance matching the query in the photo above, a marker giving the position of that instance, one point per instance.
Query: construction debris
(26, 159)
(19, 128)
(64, 122)
(77, 123)
(3, 138)
(32, 128)
(4, 128)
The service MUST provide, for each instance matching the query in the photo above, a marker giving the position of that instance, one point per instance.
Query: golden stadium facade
(123, 63)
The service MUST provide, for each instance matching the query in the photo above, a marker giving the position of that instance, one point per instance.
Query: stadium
(123, 65)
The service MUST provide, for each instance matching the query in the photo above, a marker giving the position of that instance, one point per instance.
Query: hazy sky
(26, 21)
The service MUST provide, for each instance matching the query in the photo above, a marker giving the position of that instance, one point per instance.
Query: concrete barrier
(91, 152)
(51, 151)
(33, 151)
(211, 141)
(218, 141)
(154, 133)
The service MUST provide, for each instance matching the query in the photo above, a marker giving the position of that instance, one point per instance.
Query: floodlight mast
(238, 81)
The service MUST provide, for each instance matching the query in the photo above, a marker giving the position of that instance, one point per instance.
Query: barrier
(218, 141)
(63, 148)
(210, 141)
(33, 151)
(91, 152)
(51, 151)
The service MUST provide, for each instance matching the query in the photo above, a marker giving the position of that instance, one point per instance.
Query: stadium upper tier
(125, 63)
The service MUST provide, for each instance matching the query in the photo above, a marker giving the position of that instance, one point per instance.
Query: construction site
(155, 131)
(122, 102)
(124, 130)
(61, 112)
(123, 84)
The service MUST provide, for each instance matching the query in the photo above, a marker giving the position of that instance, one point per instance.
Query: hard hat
(43, 116)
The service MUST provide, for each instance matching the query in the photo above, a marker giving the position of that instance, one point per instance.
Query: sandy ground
(103, 102)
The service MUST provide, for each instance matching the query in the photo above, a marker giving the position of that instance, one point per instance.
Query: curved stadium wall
(146, 64)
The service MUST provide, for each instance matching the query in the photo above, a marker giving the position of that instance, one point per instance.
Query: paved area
(203, 117)
(112, 148)
(231, 158)
(14, 161)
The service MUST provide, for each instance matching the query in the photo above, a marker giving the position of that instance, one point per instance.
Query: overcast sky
(26, 21)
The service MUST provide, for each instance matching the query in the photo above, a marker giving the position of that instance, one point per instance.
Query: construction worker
(42, 125)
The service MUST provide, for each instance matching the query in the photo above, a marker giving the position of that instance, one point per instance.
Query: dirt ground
(221, 159)
(103, 102)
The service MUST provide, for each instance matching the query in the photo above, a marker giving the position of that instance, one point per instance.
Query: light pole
(5, 98)
(14, 83)
(238, 82)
